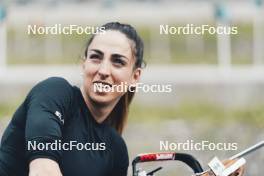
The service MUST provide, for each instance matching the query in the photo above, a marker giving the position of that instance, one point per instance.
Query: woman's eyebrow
(119, 55)
(97, 51)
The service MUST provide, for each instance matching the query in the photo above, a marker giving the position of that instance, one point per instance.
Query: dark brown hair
(119, 114)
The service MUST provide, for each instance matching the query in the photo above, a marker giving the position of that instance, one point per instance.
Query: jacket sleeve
(47, 110)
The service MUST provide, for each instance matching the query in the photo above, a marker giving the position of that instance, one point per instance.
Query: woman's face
(110, 62)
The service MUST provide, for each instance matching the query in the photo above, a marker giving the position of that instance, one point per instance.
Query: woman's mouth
(101, 86)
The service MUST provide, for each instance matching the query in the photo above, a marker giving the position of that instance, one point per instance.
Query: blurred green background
(209, 101)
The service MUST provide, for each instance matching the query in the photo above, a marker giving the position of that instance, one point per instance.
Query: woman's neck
(99, 111)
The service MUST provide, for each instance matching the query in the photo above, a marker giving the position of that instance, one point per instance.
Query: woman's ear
(136, 75)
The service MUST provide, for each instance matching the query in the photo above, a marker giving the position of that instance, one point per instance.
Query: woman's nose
(104, 68)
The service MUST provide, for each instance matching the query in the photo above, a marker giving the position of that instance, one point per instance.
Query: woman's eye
(119, 61)
(94, 56)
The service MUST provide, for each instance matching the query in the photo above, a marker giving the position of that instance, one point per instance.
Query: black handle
(185, 158)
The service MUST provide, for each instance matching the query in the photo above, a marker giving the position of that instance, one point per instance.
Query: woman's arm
(44, 167)
(47, 108)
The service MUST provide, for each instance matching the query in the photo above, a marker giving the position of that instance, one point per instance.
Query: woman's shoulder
(53, 84)
(56, 89)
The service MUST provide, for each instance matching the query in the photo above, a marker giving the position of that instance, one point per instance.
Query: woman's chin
(101, 97)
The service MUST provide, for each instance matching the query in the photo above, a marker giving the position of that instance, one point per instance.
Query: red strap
(157, 156)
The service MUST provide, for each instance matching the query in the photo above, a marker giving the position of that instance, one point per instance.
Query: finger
(229, 162)
(239, 172)
(242, 170)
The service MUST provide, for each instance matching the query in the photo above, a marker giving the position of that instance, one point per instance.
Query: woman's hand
(44, 167)
(239, 172)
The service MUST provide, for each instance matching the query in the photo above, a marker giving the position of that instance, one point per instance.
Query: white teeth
(101, 84)
(101, 87)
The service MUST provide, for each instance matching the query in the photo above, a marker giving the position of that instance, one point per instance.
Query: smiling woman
(54, 110)
(112, 58)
